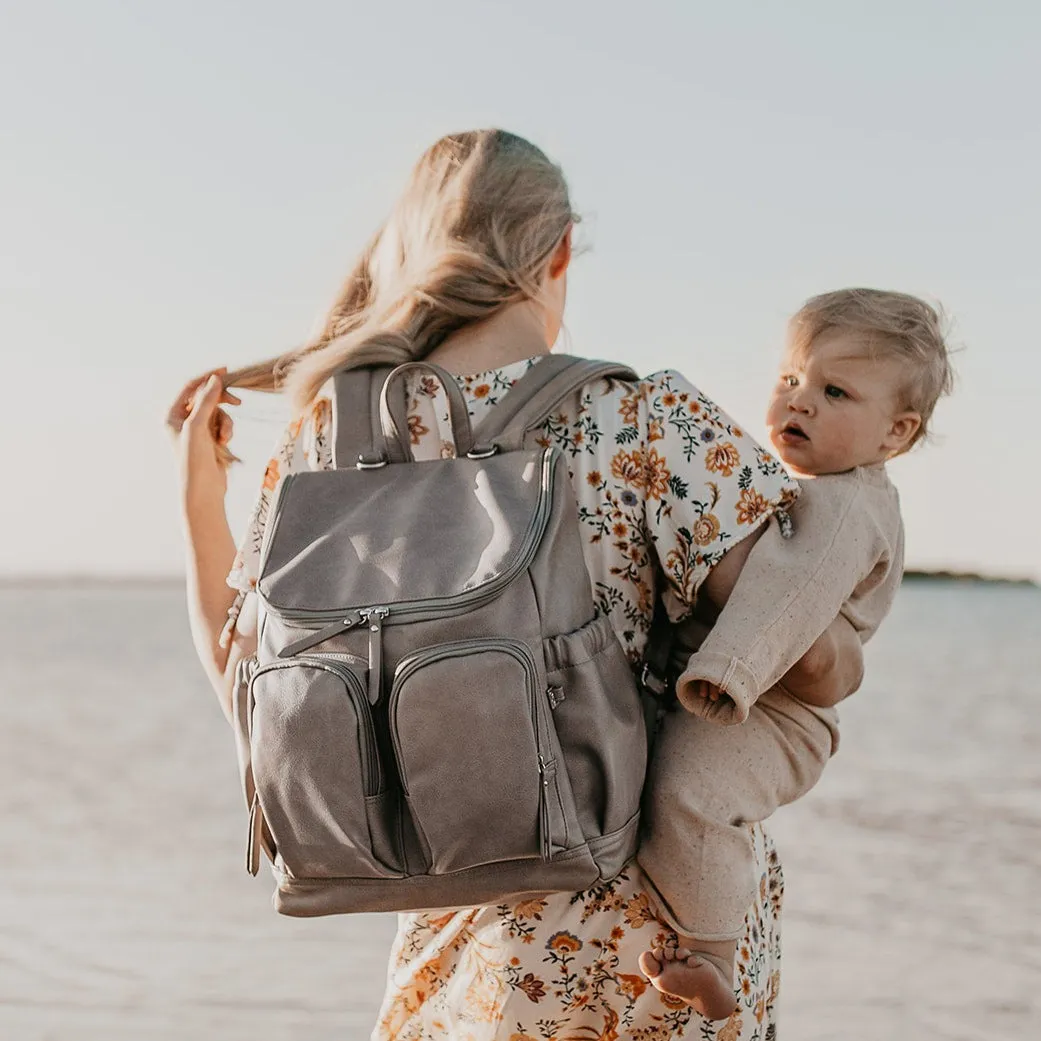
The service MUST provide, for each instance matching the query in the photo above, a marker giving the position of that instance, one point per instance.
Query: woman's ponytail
(470, 235)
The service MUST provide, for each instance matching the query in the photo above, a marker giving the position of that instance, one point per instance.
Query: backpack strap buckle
(370, 461)
(651, 681)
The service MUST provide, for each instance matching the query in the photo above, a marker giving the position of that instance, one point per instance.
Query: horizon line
(57, 579)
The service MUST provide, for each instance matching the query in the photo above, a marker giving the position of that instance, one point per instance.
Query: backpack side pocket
(599, 721)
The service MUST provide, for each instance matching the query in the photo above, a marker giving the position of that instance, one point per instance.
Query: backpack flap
(326, 556)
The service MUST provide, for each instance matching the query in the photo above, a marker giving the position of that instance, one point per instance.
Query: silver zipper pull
(374, 618)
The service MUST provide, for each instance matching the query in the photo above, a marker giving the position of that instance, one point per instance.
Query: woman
(470, 271)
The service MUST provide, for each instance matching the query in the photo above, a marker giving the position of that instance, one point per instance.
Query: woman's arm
(198, 426)
(831, 669)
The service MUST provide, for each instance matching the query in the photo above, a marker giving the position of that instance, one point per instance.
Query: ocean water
(913, 899)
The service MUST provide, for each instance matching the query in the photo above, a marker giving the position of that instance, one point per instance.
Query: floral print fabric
(666, 483)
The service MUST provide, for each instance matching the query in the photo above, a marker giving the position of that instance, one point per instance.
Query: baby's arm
(788, 593)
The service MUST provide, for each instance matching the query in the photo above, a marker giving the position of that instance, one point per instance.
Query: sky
(186, 185)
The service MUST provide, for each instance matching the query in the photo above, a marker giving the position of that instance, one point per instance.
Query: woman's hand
(201, 431)
(831, 669)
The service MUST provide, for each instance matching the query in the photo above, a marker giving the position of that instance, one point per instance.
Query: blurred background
(186, 186)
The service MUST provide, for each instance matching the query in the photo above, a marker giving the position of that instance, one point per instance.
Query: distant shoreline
(912, 575)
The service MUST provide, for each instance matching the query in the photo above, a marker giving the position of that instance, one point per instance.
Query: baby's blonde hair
(472, 232)
(897, 324)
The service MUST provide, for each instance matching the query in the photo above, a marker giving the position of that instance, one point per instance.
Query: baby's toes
(652, 962)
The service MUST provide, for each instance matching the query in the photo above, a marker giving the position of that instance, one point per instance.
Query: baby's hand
(709, 691)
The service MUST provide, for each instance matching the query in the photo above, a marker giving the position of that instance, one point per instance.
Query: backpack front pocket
(467, 725)
(317, 770)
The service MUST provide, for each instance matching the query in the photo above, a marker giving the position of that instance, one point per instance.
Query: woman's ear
(558, 263)
(901, 431)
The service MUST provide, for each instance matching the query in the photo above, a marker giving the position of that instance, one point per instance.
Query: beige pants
(706, 784)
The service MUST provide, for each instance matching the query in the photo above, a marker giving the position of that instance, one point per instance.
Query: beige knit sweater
(845, 556)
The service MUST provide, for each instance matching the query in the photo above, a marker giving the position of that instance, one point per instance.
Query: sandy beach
(913, 873)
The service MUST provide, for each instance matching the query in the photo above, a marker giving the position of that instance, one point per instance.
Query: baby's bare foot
(703, 981)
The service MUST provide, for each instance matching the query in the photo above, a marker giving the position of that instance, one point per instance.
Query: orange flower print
(271, 475)
(722, 459)
(321, 415)
(693, 408)
(564, 941)
(532, 986)
(638, 911)
(630, 986)
(705, 530)
(482, 390)
(731, 1029)
(629, 467)
(593, 478)
(657, 474)
(751, 506)
(629, 409)
(655, 429)
(775, 986)
(620, 530)
(530, 908)
(668, 400)
(416, 429)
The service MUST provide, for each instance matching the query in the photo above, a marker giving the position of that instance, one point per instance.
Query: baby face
(838, 405)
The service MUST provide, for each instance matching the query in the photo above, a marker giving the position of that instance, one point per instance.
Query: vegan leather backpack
(435, 715)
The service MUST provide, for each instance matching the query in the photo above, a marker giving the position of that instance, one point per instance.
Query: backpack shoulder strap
(357, 432)
(535, 396)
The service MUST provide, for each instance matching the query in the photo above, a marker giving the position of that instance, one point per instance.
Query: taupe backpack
(435, 717)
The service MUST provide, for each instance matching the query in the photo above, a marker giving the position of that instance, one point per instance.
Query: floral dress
(666, 483)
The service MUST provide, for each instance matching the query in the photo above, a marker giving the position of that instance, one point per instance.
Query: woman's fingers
(183, 403)
(204, 401)
(201, 394)
(223, 426)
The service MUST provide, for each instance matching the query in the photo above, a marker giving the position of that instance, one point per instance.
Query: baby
(862, 372)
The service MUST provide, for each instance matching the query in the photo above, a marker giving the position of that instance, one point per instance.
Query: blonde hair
(897, 324)
(472, 233)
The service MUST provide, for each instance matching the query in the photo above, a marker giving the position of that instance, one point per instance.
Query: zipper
(339, 656)
(548, 772)
(433, 607)
(305, 643)
(372, 768)
(374, 616)
(273, 519)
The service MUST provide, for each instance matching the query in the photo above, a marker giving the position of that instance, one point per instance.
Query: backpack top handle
(394, 415)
